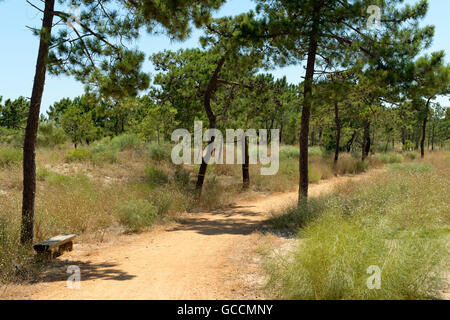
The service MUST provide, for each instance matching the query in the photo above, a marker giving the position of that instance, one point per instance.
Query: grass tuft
(10, 156)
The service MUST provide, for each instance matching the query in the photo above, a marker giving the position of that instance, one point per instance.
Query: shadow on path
(57, 271)
(236, 220)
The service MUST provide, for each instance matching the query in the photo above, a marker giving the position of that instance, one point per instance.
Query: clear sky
(19, 48)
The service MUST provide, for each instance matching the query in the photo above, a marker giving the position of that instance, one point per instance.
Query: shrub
(49, 135)
(315, 151)
(136, 215)
(106, 150)
(103, 151)
(181, 176)
(10, 156)
(408, 145)
(361, 166)
(349, 164)
(13, 137)
(109, 156)
(155, 176)
(411, 155)
(79, 155)
(159, 151)
(126, 141)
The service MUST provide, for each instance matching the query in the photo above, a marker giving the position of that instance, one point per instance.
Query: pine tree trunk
(281, 133)
(366, 140)
(424, 130)
(29, 147)
(349, 144)
(245, 166)
(306, 110)
(403, 138)
(432, 136)
(338, 132)
(212, 122)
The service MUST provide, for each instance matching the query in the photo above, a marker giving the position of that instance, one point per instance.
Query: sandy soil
(211, 255)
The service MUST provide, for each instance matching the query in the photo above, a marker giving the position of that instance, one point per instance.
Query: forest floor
(210, 255)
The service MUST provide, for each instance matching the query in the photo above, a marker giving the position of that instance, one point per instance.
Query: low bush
(125, 141)
(361, 166)
(103, 151)
(411, 155)
(159, 151)
(181, 177)
(107, 149)
(155, 177)
(77, 155)
(347, 164)
(49, 135)
(136, 215)
(315, 151)
(10, 156)
(12, 137)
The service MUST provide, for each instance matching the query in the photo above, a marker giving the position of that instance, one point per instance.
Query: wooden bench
(54, 247)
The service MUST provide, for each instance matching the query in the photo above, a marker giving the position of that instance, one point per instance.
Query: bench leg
(45, 256)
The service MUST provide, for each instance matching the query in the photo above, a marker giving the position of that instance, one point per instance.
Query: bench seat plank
(53, 242)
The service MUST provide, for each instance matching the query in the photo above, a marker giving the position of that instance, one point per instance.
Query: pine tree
(78, 45)
(325, 32)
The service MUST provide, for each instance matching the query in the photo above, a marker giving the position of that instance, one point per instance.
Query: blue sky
(19, 48)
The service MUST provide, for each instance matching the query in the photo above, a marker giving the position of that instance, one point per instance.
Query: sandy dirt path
(203, 256)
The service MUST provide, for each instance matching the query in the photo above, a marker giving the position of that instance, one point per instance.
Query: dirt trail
(203, 256)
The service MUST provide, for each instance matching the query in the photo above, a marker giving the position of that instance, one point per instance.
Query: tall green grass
(398, 222)
(293, 152)
(389, 158)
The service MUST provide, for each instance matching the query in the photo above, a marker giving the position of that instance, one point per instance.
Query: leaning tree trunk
(337, 120)
(366, 140)
(349, 144)
(245, 166)
(29, 155)
(424, 130)
(306, 110)
(212, 123)
(432, 136)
